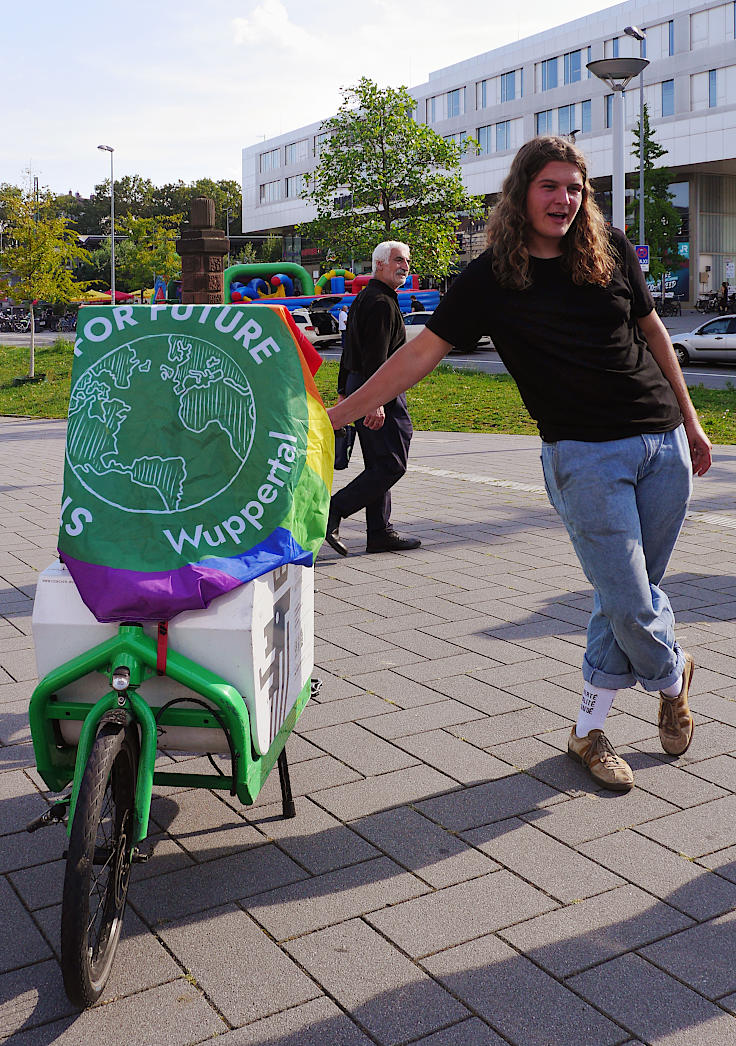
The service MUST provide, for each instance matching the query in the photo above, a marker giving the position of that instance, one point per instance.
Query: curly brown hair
(586, 250)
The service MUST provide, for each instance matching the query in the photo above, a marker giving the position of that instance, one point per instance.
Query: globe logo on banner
(198, 457)
(112, 436)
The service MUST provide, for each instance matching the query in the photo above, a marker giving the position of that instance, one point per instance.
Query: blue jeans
(623, 503)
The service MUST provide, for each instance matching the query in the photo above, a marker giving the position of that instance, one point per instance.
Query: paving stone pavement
(451, 877)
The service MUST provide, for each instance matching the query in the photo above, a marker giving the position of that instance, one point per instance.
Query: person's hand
(700, 447)
(375, 419)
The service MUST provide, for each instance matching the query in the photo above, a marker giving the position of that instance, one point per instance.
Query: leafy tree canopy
(148, 250)
(383, 176)
(39, 250)
(662, 221)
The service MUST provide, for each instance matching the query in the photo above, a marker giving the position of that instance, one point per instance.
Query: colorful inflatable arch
(336, 279)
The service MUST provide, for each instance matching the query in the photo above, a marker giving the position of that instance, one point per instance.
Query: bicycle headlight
(120, 678)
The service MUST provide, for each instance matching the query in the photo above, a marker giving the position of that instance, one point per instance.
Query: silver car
(714, 340)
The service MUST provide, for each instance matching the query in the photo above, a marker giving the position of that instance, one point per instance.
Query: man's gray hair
(382, 253)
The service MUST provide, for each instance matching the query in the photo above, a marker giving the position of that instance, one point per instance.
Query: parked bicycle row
(14, 321)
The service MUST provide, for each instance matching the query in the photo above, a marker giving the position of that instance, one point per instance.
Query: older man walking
(375, 330)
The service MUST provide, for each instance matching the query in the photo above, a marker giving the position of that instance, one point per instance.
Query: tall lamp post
(109, 149)
(617, 73)
(641, 36)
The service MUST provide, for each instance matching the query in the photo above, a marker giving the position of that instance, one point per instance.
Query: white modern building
(541, 85)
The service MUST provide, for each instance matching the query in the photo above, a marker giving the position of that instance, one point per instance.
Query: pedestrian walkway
(452, 878)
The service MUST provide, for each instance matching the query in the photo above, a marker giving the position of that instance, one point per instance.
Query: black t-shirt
(583, 368)
(375, 330)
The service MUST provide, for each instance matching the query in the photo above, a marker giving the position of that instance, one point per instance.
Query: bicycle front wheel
(98, 864)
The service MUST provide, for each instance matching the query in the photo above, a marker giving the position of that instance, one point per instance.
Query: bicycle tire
(98, 864)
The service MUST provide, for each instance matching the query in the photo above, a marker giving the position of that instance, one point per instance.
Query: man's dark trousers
(385, 456)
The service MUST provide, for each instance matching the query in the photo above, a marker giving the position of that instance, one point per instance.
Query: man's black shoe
(391, 542)
(332, 537)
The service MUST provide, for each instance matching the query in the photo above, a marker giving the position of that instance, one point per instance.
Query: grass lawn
(445, 401)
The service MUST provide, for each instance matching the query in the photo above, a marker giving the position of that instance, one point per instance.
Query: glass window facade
(295, 152)
(503, 135)
(549, 74)
(483, 135)
(586, 116)
(508, 86)
(712, 89)
(565, 119)
(544, 122)
(668, 98)
(270, 160)
(294, 185)
(270, 192)
(573, 66)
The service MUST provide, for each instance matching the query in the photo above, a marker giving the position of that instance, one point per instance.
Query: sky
(179, 89)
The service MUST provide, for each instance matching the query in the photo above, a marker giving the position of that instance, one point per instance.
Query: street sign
(642, 253)
(683, 249)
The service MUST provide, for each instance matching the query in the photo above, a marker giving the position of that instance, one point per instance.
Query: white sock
(594, 707)
(674, 690)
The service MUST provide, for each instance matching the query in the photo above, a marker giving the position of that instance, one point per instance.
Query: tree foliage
(662, 221)
(39, 250)
(148, 250)
(383, 176)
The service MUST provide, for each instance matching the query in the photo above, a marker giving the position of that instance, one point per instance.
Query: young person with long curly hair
(570, 315)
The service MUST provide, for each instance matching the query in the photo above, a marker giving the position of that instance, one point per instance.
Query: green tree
(662, 221)
(39, 249)
(175, 198)
(247, 255)
(383, 176)
(147, 250)
(271, 249)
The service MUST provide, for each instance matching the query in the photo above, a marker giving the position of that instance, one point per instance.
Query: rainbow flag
(199, 456)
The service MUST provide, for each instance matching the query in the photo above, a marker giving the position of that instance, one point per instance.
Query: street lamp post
(640, 35)
(617, 72)
(109, 149)
(228, 212)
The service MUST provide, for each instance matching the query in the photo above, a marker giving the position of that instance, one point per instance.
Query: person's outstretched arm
(405, 368)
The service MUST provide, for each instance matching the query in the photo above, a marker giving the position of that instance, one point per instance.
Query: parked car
(304, 322)
(713, 340)
(324, 320)
(415, 323)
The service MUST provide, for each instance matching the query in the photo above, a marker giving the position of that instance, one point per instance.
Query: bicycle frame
(58, 764)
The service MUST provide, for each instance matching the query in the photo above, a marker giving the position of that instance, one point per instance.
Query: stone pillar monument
(202, 248)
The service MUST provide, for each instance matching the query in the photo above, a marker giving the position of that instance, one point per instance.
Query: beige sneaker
(605, 767)
(676, 726)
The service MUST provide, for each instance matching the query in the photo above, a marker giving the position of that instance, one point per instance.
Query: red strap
(163, 642)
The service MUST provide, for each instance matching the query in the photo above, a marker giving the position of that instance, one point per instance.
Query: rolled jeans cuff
(609, 681)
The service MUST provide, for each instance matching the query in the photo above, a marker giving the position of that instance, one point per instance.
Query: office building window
(483, 134)
(712, 89)
(320, 140)
(585, 116)
(609, 110)
(545, 122)
(481, 97)
(294, 185)
(610, 48)
(432, 110)
(270, 160)
(503, 135)
(270, 192)
(295, 152)
(668, 98)
(508, 86)
(671, 38)
(565, 119)
(456, 139)
(572, 66)
(455, 102)
(549, 74)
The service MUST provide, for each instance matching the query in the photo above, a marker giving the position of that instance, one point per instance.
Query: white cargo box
(259, 638)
